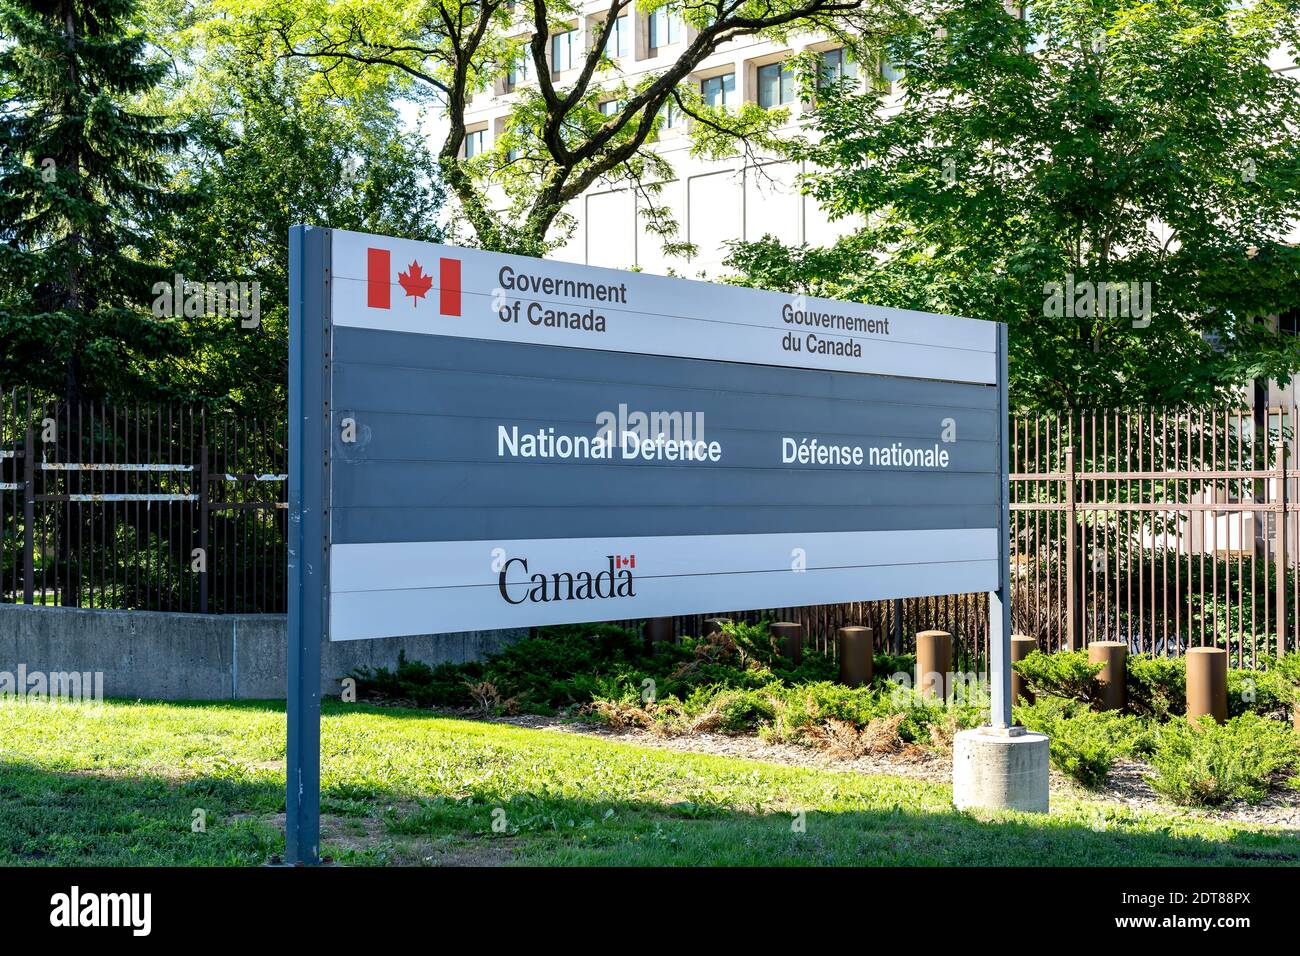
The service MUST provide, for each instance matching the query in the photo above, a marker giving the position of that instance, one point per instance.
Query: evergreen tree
(82, 179)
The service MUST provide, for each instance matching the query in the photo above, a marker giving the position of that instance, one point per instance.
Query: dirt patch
(343, 836)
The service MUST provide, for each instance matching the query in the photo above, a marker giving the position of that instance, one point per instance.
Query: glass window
(564, 51)
(474, 142)
(719, 90)
(890, 73)
(670, 116)
(521, 70)
(608, 108)
(837, 66)
(665, 29)
(1038, 38)
(775, 85)
(620, 38)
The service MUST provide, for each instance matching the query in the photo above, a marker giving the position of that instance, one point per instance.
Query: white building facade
(713, 202)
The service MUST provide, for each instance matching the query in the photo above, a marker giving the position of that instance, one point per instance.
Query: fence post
(29, 515)
(1071, 556)
(203, 527)
(1279, 505)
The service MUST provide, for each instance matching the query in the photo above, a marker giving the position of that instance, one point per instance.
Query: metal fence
(156, 508)
(1165, 530)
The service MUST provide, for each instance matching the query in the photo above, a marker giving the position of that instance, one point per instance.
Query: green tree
(1124, 141)
(271, 151)
(557, 141)
(82, 178)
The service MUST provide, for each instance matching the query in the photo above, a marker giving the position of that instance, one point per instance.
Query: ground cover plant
(117, 784)
(736, 681)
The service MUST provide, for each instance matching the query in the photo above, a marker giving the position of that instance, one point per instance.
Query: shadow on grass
(129, 818)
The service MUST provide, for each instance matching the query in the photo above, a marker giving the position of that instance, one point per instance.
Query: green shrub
(1157, 686)
(425, 686)
(885, 665)
(743, 711)
(1084, 743)
(1063, 674)
(1205, 764)
(1266, 692)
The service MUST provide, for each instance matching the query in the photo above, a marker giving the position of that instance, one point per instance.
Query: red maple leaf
(414, 281)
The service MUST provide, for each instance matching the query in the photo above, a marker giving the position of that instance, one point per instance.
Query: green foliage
(270, 151)
(564, 132)
(1157, 686)
(734, 681)
(1085, 743)
(1064, 674)
(83, 194)
(1267, 692)
(1205, 764)
(1032, 157)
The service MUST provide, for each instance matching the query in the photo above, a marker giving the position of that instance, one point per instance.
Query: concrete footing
(1000, 770)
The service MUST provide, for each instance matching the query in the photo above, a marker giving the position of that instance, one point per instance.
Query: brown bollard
(1021, 647)
(856, 648)
(1112, 655)
(658, 630)
(1207, 683)
(713, 625)
(933, 664)
(789, 640)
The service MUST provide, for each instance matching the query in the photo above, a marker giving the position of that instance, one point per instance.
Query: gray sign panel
(482, 440)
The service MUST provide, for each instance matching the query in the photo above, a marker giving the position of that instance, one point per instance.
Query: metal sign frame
(311, 333)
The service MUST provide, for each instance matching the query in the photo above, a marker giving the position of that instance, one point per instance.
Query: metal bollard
(934, 664)
(789, 638)
(856, 646)
(1207, 683)
(1021, 647)
(658, 630)
(1112, 655)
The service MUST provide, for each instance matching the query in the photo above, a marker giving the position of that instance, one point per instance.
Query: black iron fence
(1164, 530)
(154, 508)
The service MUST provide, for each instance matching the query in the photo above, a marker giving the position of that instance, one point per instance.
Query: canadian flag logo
(413, 280)
(621, 561)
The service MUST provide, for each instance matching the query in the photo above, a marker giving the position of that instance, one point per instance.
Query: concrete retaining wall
(202, 656)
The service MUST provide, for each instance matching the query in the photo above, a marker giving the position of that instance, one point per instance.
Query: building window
(719, 91)
(1038, 36)
(670, 116)
(836, 67)
(521, 70)
(890, 74)
(620, 38)
(608, 107)
(564, 51)
(475, 143)
(775, 85)
(665, 29)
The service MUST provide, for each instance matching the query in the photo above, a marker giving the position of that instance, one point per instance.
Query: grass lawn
(118, 784)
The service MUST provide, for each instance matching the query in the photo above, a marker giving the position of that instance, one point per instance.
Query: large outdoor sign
(492, 441)
(517, 442)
